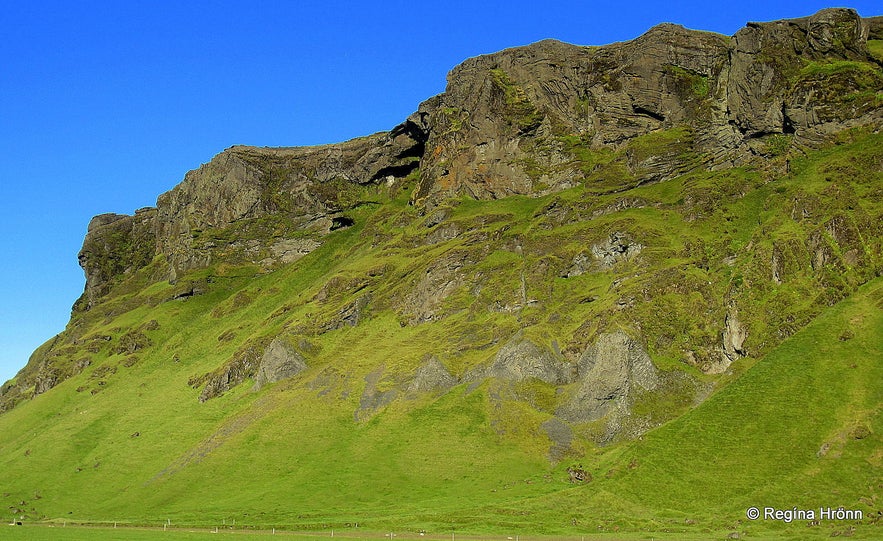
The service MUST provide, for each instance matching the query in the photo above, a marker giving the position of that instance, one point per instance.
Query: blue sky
(105, 105)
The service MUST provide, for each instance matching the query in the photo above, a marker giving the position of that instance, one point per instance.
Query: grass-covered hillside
(443, 366)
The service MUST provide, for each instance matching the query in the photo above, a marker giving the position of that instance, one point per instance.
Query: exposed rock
(820, 249)
(441, 279)
(372, 398)
(734, 336)
(115, 245)
(615, 249)
(521, 359)
(242, 365)
(604, 255)
(131, 342)
(436, 217)
(507, 122)
(233, 190)
(580, 265)
(619, 205)
(609, 371)
(290, 250)
(279, 361)
(578, 474)
(431, 376)
(328, 380)
(765, 91)
(500, 128)
(339, 286)
(349, 315)
(244, 184)
(777, 264)
(442, 233)
(186, 291)
(561, 436)
(46, 379)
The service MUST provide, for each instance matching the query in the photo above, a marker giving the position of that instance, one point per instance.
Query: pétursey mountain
(568, 248)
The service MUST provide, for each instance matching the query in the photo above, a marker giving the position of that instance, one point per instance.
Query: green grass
(875, 47)
(696, 83)
(520, 111)
(757, 441)
(59, 533)
(127, 439)
(813, 69)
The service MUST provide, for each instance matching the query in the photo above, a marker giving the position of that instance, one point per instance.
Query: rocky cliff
(562, 298)
(541, 118)
(531, 120)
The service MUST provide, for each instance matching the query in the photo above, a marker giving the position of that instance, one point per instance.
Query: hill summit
(503, 297)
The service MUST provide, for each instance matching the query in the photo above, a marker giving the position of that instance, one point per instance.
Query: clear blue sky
(105, 105)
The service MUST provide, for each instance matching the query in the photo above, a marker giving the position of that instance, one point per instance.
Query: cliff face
(115, 245)
(282, 200)
(570, 247)
(530, 120)
(578, 130)
(260, 205)
(540, 118)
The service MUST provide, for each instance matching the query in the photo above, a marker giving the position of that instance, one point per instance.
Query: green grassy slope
(801, 428)
(128, 440)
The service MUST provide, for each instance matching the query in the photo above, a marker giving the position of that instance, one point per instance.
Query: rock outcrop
(771, 86)
(540, 118)
(604, 255)
(604, 385)
(373, 397)
(520, 359)
(243, 365)
(733, 339)
(279, 361)
(261, 205)
(610, 371)
(528, 120)
(431, 376)
(310, 187)
(115, 245)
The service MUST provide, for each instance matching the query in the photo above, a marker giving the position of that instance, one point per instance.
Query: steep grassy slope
(800, 429)
(135, 436)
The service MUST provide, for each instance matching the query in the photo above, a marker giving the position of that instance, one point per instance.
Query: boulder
(279, 361)
(615, 249)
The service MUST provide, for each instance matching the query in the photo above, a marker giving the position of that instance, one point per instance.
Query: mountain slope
(433, 324)
(800, 429)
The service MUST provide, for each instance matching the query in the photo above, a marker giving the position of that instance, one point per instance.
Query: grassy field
(45, 533)
(795, 423)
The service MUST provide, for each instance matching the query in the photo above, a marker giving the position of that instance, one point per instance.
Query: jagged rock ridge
(529, 120)
(517, 122)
